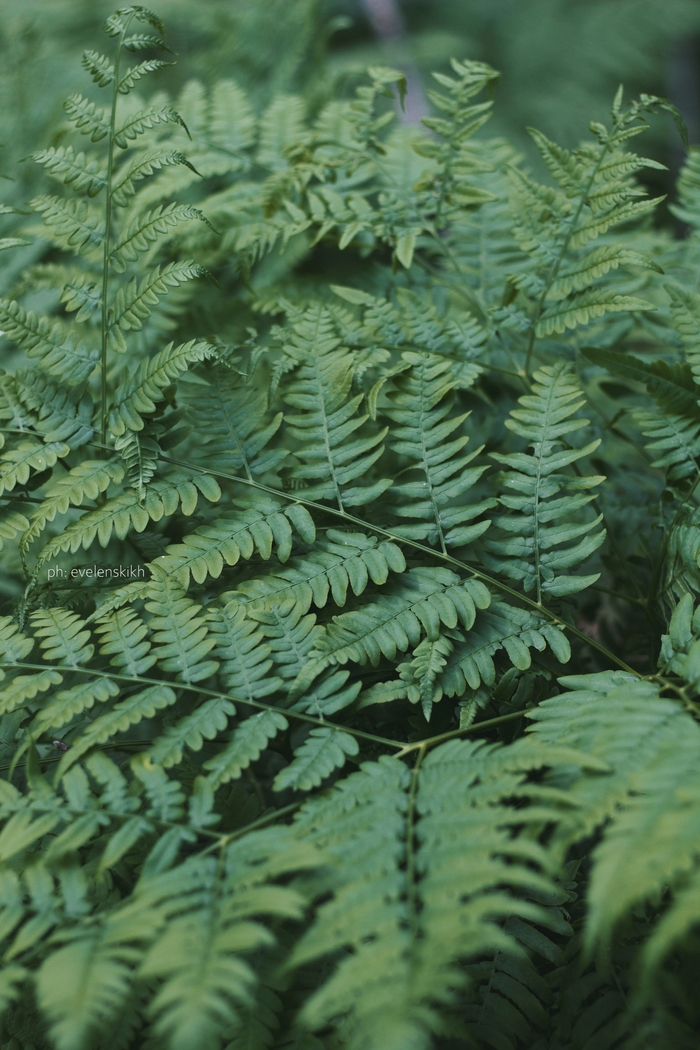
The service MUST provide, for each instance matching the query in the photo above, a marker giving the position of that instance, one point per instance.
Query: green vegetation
(350, 532)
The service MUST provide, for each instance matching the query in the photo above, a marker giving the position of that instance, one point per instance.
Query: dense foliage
(351, 555)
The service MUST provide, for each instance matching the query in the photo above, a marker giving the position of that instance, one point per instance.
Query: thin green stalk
(217, 694)
(432, 741)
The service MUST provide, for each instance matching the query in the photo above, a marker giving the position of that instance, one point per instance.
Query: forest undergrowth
(350, 532)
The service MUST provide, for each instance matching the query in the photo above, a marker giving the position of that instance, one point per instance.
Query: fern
(538, 520)
(287, 761)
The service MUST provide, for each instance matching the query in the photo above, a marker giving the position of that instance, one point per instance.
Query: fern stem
(107, 234)
(454, 733)
(216, 694)
(294, 497)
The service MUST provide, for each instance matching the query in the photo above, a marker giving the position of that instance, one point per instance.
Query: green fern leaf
(139, 395)
(210, 918)
(343, 561)
(423, 433)
(256, 526)
(63, 637)
(17, 464)
(148, 228)
(582, 308)
(209, 719)
(69, 703)
(126, 511)
(239, 428)
(140, 453)
(60, 413)
(328, 421)
(26, 687)
(99, 67)
(323, 751)
(537, 524)
(124, 185)
(144, 120)
(14, 645)
(179, 629)
(249, 740)
(82, 173)
(119, 719)
(58, 353)
(244, 658)
(89, 118)
(132, 303)
(86, 481)
(11, 524)
(133, 75)
(74, 225)
(124, 638)
(425, 600)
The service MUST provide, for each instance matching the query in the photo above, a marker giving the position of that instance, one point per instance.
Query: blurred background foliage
(560, 60)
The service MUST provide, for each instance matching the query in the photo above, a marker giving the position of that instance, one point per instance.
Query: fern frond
(423, 602)
(243, 655)
(74, 225)
(119, 719)
(62, 636)
(179, 629)
(56, 349)
(583, 307)
(132, 302)
(453, 828)
(210, 923)
(25, 687)
(133, 75)
(69, 703)
(139, 395)
(140, 452)
(11, 525)
(233, 123)
(256, 526)
(124, 637)
(83, 985)
(144, 120)
(249, 740)
(675, 442)
(657, 813)
(89, 118)
(538, 523)
(423, 432)
(126, 511)
(239, 430)
(86, 481)
(147, 228)
(14, 645)
(205, 723)
(324, 751)
(82, 173)
(326, 429)
(99, 67)
(134, 171)
(17, 464)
